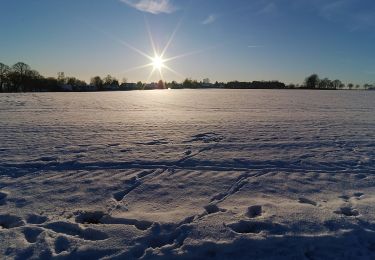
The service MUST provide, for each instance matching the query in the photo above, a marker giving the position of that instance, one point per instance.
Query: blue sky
(218, 39)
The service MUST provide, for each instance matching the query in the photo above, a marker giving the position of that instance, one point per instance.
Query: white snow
(191, 174)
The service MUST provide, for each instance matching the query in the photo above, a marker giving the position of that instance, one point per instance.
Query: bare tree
(337, 84)
(140, 85)
(21, 68)
(97, 82)
(4, 72)
(19, 74)
(161, 84)
(366, 86)
(110, 81)
(31, 81)
(61, 78)
(312, 81)
(350, 86)
(325, 83)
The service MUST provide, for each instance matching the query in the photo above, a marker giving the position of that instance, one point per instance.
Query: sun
(157, 62)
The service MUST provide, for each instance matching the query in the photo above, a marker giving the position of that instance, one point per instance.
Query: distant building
(111, 87)
(206, 83)
(152, 85)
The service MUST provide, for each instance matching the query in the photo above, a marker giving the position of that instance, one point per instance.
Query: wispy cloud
(152, 6)
(363, 20)
(268, 8)
(210, 19)
(349, 13)
(330, 10)
(356, 17)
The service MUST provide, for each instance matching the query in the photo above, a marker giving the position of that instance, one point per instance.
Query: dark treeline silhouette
(313, 82)
(256, 85)
(21, 78)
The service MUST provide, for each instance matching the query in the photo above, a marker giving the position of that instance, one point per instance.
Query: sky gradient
(223, 40)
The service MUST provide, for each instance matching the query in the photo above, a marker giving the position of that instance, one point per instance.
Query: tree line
(22, 78)
(314, 82)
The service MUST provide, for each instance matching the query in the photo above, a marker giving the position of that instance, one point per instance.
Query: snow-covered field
(192, 174)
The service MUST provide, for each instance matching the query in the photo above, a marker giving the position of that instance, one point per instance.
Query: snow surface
(190, 174)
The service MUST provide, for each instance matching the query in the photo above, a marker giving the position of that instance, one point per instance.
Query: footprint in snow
(36, 219)
(8, 221)
(73, 229)
(358, 195)
(306, 201)
(62, 244)
(347, 211)
(213, 208)
(32, 233)
(254, 211)
(153, 142)
(344, 198)
(101, 218)
(255, 227)
(206, 138)
(3, 197)
(89, 217)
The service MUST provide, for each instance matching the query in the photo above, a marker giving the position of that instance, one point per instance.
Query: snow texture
(188, 174)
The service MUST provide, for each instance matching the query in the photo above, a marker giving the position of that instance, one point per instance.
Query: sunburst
(157, 61)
